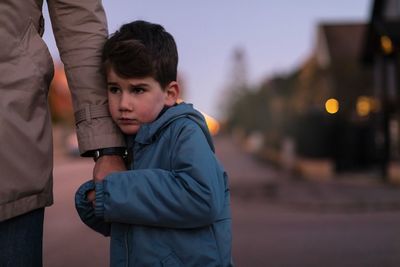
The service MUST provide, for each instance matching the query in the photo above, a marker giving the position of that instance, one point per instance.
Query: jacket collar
(149, 132)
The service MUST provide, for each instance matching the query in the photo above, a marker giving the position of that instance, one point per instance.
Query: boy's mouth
(127, 121)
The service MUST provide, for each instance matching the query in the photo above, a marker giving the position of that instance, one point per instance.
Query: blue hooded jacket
(173, 207)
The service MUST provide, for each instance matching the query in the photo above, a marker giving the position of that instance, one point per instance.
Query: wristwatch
(118, 151)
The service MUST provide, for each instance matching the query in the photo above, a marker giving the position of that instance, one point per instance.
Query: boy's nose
(124, 103)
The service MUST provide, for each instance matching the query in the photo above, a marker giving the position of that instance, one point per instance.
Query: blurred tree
(237, 86)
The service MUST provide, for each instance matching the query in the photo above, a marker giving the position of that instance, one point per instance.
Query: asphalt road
(265, 233)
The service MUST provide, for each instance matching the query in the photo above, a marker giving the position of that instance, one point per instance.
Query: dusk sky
(276, 35)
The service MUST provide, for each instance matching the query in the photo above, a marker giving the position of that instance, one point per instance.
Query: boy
(172, 207)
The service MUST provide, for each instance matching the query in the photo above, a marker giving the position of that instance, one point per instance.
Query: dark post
(385, 123)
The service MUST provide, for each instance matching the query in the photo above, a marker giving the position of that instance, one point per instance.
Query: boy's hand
(91, 196)
(106, 165)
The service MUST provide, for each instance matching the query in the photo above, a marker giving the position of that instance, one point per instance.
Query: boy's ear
(172, 93)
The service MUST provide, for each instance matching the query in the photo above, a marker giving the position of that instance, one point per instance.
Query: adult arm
(80, 30)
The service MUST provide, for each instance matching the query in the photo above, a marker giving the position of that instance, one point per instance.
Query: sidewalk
(254, 180)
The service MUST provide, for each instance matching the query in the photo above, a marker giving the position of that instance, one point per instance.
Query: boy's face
(135, 101)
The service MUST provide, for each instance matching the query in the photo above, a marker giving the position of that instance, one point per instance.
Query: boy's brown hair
(140, 49)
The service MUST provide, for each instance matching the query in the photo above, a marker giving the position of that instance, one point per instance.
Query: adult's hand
(106, 165)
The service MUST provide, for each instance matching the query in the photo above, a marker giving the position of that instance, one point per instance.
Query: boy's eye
(137, 90)
(113, 89)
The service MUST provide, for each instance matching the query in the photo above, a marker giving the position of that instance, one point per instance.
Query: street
(265, 236)
(266, 232)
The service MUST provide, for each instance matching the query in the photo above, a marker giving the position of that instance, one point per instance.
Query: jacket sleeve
(80, 30)
(191, 195)
(86, 211)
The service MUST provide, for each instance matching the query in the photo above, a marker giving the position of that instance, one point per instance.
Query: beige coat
(26, 69)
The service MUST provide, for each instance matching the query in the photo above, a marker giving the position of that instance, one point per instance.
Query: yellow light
(364, 106)
(386, 44)
(332, 106)
(212, 124)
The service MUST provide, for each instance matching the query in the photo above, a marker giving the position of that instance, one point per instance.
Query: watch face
(96, 155)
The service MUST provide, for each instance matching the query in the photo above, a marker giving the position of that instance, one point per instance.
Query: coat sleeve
(86, 211)
(80, 30)
(191, 195)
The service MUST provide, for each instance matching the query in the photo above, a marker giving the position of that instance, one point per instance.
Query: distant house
(334, 100)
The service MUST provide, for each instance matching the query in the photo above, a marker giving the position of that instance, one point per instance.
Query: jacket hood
(183, 110)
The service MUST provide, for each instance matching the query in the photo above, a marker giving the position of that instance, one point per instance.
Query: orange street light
(332, 106)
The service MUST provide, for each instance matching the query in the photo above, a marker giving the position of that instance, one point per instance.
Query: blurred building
(382, 53)
(322, 114)
(334, 102)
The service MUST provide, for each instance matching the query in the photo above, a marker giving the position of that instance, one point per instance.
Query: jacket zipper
(127, 248)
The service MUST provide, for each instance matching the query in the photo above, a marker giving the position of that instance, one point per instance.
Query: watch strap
(109, 151)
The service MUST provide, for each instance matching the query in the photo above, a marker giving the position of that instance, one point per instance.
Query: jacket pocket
(171, 261)
(34, 48)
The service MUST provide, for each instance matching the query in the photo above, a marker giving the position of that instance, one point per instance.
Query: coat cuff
(87, 212)
(99, 207)
(95, 129)
(82, 204)
(81, 193)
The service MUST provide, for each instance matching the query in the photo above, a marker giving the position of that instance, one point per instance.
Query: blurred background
(302, 99)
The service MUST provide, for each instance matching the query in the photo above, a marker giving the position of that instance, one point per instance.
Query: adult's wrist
(109, 151)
